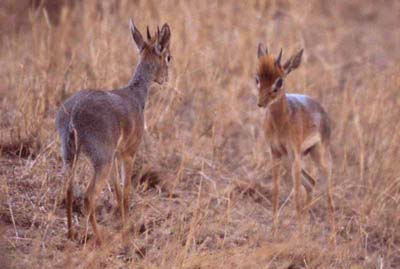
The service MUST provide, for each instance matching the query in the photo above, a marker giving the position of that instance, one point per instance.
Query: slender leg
(116, 175)
(308, 184)
(128, 167)
(275, 177)
(276, 169)
(70, 155)
(322, 158)
(100, 174)
(328, 173)
(68, 173)
(296, 175)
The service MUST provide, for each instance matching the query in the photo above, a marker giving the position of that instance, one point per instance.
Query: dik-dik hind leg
(308, 184)
(127, 179)
(322, 158)
(117, 174)
(101, 172)
(70, 154)
(68, 180)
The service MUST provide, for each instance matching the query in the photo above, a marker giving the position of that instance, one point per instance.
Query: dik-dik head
(155, 50)
(271, 74)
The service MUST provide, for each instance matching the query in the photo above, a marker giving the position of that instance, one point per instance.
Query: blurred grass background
(203, 191)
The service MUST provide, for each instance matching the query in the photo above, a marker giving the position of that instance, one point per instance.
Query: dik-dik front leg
(127, 169)
(296, 175)
(276, 166)
(68, 175)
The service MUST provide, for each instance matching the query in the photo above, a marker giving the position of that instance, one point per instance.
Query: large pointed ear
(293, 62)
(163, 38)
(137, 36)
(262, 50)
(148, 34)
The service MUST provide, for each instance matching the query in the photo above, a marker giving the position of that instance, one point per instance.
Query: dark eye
(278, 83)
(168, 59)
(257, 81)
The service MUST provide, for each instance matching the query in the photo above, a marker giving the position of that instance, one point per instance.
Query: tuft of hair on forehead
(267, 67)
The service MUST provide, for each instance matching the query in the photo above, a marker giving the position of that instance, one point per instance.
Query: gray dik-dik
(295, 126)
(107, 126)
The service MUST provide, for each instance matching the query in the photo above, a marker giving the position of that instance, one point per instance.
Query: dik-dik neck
(279, 111)
(141, 80)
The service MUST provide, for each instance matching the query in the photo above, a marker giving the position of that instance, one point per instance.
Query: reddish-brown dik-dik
(295, 125)
(108, 125)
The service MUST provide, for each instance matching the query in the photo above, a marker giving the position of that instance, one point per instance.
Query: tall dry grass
(203, 200)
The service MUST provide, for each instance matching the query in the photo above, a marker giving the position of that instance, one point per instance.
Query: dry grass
(204, 196)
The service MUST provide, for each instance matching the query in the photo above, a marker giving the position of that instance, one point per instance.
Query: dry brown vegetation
(203, 194)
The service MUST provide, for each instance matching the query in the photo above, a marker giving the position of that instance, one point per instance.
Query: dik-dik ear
(148, 34)
(293, 62)
(278, 60)
(262, 50)
(137, 37)
(163, 38)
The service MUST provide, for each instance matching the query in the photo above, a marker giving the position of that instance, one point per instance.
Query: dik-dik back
(98, 119)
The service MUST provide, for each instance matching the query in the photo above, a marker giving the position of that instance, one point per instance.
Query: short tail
(69, 145)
